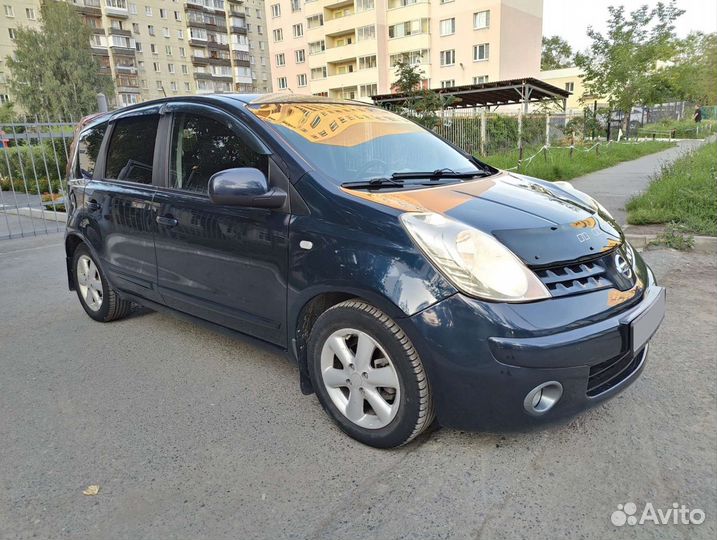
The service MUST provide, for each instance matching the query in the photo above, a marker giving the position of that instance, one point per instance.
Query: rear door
(225, 264)
(118, 202)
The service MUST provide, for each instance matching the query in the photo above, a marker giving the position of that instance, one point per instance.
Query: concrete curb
(49, 215)
(703, 244)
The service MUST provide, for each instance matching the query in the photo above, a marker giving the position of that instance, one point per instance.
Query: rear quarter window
(88, 149)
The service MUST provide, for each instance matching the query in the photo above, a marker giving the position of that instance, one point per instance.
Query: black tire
(415, 409)
(113, 307)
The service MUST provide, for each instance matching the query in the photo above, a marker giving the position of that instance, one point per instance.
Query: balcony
(118, 12)
(200, 60)
(119, 32)
(335, 4)
(219, 61)
(89, 7)
(217, 46)
(212, 77)
(237, 29)
(125, 69)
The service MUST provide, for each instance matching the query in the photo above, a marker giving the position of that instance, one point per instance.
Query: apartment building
(348, 48)
(156, 48)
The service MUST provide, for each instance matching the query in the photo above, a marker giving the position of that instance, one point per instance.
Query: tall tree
(53, 71)
(422, 103)
(621, 64)
(557, 53)
(693, 73)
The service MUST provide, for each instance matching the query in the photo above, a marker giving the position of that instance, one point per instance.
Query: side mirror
(244, 186)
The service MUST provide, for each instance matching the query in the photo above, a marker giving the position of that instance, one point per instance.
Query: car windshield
(352, 143)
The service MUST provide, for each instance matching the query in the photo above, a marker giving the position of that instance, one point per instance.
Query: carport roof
(490, 94)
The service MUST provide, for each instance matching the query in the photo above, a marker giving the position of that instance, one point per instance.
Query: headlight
(475, 262)
(587, 198)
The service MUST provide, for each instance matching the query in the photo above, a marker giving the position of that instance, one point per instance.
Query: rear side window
(202, 146)
(88, 148)
(131, 149)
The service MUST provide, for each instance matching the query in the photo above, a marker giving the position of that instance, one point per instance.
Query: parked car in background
(408, 280)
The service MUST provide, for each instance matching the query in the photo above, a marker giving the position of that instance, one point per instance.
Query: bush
(18, 159)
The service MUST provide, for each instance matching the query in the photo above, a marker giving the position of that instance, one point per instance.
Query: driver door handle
(167, 221)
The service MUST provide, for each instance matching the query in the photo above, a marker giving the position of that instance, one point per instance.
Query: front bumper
(484, 358)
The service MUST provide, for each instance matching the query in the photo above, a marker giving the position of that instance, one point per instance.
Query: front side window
(88, 148)
(131, 149)
(203, 146)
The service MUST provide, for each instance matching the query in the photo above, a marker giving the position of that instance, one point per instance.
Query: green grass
(560, 166)
(683, 129)
(683, 193)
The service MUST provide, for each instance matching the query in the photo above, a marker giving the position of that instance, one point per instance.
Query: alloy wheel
(360, 378)
(89, 282)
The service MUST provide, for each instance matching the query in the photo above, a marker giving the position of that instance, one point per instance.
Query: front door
(225, 264)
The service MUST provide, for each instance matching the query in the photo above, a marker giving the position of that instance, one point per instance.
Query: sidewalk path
(614, 186)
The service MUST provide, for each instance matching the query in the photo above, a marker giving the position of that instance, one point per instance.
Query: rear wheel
(100, 302)
(367, 375)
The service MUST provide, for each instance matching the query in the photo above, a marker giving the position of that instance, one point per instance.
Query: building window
(480, 79)
(367, 62)
(315, 21)
(317, 47)
(30, 13)
(153, 48)
(157, 67)
(186, 87)
(173, 86)
(412, 57)
(481, 19)
(165, 31)
(180, 34)
(481, 52)
(448, 26)
(182, 52)
(278, 35)
(570, 86)
(185, 70)
(281, 83)
(409, 28)
(365, 5)
(300, 56)
(276, 10)
(148, 11)
(364, 33)
(150, 29)
(168, 50)
(295, 5)
(133, 9)
(318, 73)
(448, 84)
(448, 58)
(298, 30)
(301, 79)
(170, 68)
(159, 85)
(9, 11)
(135, 28)
(368, 90)
(280, 60)
(177, 16)
(138, 46)
(162, 13)
(11, 33)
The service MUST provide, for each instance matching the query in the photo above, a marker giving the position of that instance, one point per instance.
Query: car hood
(540, 222)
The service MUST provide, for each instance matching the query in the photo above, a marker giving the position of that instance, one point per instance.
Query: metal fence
(33, 159)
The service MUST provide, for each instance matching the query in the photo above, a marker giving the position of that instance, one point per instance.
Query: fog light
(543, 397)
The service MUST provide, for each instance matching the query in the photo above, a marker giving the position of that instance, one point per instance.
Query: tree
(557, 53)
(622, 64)
(421, 103)
(693, 74)
(53, 71)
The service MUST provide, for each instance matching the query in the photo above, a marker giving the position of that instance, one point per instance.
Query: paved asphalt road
(194, 435)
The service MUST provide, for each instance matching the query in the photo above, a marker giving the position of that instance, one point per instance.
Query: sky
(569, 19)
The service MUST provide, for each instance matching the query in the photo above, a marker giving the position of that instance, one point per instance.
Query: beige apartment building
(156, 48)
(348, 48)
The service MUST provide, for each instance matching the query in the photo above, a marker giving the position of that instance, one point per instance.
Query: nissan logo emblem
(623, 266)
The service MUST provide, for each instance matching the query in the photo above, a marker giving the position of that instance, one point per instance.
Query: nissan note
(408, 280)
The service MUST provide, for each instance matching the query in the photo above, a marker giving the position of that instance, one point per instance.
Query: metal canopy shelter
(490, 94)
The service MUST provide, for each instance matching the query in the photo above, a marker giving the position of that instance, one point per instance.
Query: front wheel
(367, 375)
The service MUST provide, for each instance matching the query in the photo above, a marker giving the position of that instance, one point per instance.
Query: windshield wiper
(438, 173)
(374, 183)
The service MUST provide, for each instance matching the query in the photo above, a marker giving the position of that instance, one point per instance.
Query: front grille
(575, 278)
(586, 276)
(606, 375)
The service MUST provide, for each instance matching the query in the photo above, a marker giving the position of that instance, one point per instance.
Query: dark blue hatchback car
(408, 280)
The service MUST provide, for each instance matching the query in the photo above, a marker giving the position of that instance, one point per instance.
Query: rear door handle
(93, 206)
(167, 221)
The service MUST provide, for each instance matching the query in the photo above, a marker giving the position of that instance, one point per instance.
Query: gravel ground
(190, 434)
